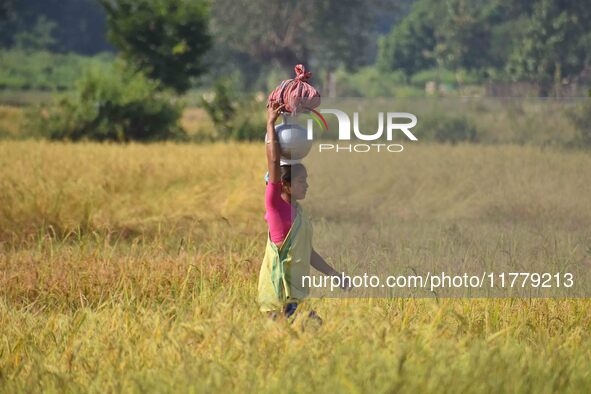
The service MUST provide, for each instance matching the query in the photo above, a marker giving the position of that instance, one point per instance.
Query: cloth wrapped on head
(297, 94)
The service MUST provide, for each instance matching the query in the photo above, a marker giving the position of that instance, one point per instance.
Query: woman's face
(298, 187)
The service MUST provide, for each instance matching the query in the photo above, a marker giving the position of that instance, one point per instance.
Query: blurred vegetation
(111, 105)
(481, 120)
(39, 37)
(323, 34)
(62, 26)
(165, 39)
(234, 117)
(581, 118)
(449, 129)
(545, 42)
(414, 49)
(487, 121)
(369, 82)
(11, 120)
(43, 70)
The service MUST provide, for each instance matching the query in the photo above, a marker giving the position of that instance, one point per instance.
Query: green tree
(556, 44)
(410, 46)
(464, 34)
(8, 20)
(322, 33)
(40, 37)
(166, 39)
(79, 25)
(235, 116)
(455, 34)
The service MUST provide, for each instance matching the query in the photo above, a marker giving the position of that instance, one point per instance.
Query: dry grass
(133, 268)
(11, 119)
(196, 122)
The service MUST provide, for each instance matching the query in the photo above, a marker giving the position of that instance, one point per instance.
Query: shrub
(451, 129)
(443, 76)
(235, 117)
(111, 106)
(581, 119)
(369, 82)
(10, 122)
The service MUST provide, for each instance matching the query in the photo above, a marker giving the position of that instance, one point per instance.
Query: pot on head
(293, 139)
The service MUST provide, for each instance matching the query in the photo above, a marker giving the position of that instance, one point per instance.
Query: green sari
(280, 277)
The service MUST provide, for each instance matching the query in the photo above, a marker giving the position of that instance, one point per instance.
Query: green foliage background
(43, 70)
(165, 39)
(111, 105)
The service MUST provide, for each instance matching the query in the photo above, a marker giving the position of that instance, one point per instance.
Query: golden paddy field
(133, 268)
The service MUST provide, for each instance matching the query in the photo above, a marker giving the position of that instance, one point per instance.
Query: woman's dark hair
(289, 170)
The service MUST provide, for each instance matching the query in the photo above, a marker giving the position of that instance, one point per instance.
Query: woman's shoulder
(302, 212)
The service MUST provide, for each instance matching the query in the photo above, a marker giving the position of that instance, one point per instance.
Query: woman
(289, 252)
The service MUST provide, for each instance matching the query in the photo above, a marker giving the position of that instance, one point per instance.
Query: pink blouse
(280, 213)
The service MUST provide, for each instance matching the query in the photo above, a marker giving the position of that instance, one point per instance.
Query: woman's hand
(273, 112)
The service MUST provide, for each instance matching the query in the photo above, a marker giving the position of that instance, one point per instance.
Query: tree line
(181, 39)
(77, 26)
(543, 41)
(547, 42)
(165, 46)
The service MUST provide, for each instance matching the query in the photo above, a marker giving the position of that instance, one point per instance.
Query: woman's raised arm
(273, 152)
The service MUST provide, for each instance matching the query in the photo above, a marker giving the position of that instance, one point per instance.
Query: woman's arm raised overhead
(273, 152)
